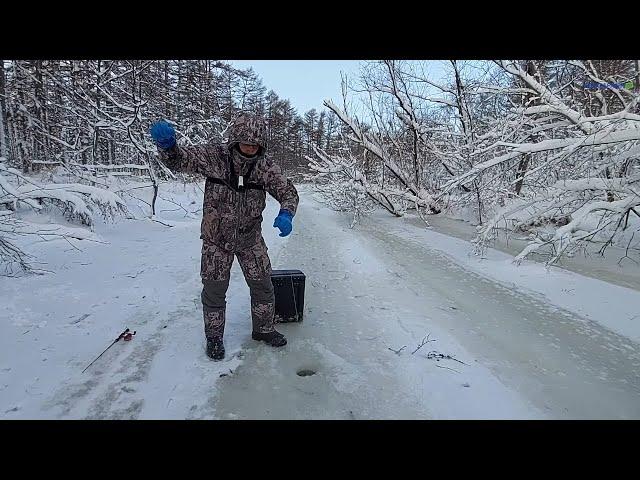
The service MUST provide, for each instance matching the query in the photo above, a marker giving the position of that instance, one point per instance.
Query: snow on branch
(77, 201)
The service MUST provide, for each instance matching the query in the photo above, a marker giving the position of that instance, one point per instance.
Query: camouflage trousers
(215, 272)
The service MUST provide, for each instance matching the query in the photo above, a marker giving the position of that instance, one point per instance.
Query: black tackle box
(288, 286)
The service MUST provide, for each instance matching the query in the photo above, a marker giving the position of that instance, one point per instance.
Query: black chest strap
(226, 183)
(232, 180)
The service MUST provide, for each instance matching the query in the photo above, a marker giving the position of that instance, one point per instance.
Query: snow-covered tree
(545, 148)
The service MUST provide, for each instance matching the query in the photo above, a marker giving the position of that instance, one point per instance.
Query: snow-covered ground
(524, 342)
(612, 267)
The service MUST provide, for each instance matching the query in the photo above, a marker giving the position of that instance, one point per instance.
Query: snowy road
(370, 290)
(569, 367)
(373, 289)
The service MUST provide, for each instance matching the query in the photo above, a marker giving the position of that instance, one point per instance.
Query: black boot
(275, 339)
(215, 348)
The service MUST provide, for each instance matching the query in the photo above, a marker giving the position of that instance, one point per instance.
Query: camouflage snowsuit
(232, 219)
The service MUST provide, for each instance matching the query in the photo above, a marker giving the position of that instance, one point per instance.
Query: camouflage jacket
(232, 218)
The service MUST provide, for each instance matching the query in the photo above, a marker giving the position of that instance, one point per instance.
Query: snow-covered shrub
(75, 201)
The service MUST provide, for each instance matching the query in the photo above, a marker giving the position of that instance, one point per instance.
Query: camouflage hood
(248, 129)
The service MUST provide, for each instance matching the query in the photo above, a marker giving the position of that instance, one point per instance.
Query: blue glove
(163, 134)
(283, 222)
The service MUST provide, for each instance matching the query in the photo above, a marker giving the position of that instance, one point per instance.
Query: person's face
(248, 150)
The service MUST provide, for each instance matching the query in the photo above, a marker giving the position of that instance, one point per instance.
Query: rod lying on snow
(126, 335)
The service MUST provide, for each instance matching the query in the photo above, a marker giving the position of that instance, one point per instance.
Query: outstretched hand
(163, 134)
(283, 222)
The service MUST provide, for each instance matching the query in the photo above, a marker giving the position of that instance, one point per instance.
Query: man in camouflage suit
(238, 176)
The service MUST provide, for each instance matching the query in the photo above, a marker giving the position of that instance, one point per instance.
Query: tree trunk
(167, 109)
(610, 197)
(524, 161)
(21, 131)
(522, 169)
(41, 113)
(4, 150)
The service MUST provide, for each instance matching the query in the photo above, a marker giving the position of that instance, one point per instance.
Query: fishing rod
(126, 335)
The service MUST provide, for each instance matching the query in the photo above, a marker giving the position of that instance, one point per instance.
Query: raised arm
(203, 159)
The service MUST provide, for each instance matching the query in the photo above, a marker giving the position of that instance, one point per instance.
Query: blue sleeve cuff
(166, 144)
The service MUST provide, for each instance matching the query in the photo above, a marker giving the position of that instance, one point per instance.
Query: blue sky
(306, 83)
